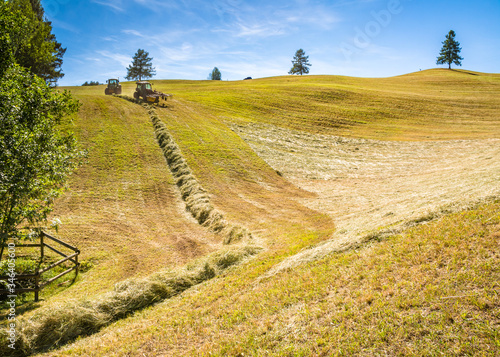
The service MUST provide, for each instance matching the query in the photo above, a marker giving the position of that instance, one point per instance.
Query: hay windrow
(53, 327)
(194, 195)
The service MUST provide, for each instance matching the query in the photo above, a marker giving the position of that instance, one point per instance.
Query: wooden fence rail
(39, 284)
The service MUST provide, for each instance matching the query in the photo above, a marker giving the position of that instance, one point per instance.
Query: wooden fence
(39, 282)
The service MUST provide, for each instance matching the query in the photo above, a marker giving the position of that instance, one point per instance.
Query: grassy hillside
(432, 289)
(427, 105)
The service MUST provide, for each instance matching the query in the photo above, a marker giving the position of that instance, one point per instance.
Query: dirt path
(365, 185)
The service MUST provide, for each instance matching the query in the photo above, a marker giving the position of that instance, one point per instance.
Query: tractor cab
(114, 87)
(143, 86)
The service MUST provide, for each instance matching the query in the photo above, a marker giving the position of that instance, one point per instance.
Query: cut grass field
(433, 289)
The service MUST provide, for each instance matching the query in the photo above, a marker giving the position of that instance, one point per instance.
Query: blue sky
(258, 38)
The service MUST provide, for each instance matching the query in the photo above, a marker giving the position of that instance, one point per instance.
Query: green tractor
(148, 95)
(114, 87)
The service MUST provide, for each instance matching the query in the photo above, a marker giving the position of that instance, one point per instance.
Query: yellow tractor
(145, 91)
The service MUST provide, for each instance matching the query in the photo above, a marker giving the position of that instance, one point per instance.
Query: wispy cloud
(157, 5)
(240, 19)
(133, 32)
(116, 5)
(180, 53)
(258, 30)
(161, 37)
(64, 25)
(124, 60)
(318, 16)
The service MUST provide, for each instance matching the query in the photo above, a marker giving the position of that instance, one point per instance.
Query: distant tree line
(91, 83)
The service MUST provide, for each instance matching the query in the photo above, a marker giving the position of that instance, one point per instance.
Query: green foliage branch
(27, 39)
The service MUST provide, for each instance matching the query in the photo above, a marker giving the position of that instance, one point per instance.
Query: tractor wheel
(106, 91)
(119, 90)
(136, 95)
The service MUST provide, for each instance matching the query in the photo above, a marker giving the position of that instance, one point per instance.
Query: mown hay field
(429, 289)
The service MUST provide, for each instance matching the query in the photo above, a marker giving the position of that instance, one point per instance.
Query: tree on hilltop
(300, 63)
(141, 67)
(450, 52)
(215, 75)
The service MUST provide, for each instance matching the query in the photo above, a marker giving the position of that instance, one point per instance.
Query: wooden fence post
(37, 277)
(77, 265)
(41, 246)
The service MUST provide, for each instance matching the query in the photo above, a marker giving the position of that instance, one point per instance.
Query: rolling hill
(372, 203)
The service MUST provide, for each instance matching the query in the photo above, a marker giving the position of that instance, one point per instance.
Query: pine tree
(141, 66)
(450, 52)
(300, 64)
(215, 75)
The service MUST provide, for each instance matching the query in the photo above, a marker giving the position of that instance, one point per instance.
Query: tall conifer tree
(215, 75)
(141, 67)
(450, 52)
(300, 63)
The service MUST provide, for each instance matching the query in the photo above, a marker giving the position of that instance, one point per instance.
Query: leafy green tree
(215, 75)
(36, 155)
(32, 43)
(141, 67)
(12, 22)
(450, 51)
(300, 63)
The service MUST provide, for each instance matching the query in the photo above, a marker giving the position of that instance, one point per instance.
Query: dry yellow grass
(367, 184)
(329, 306)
